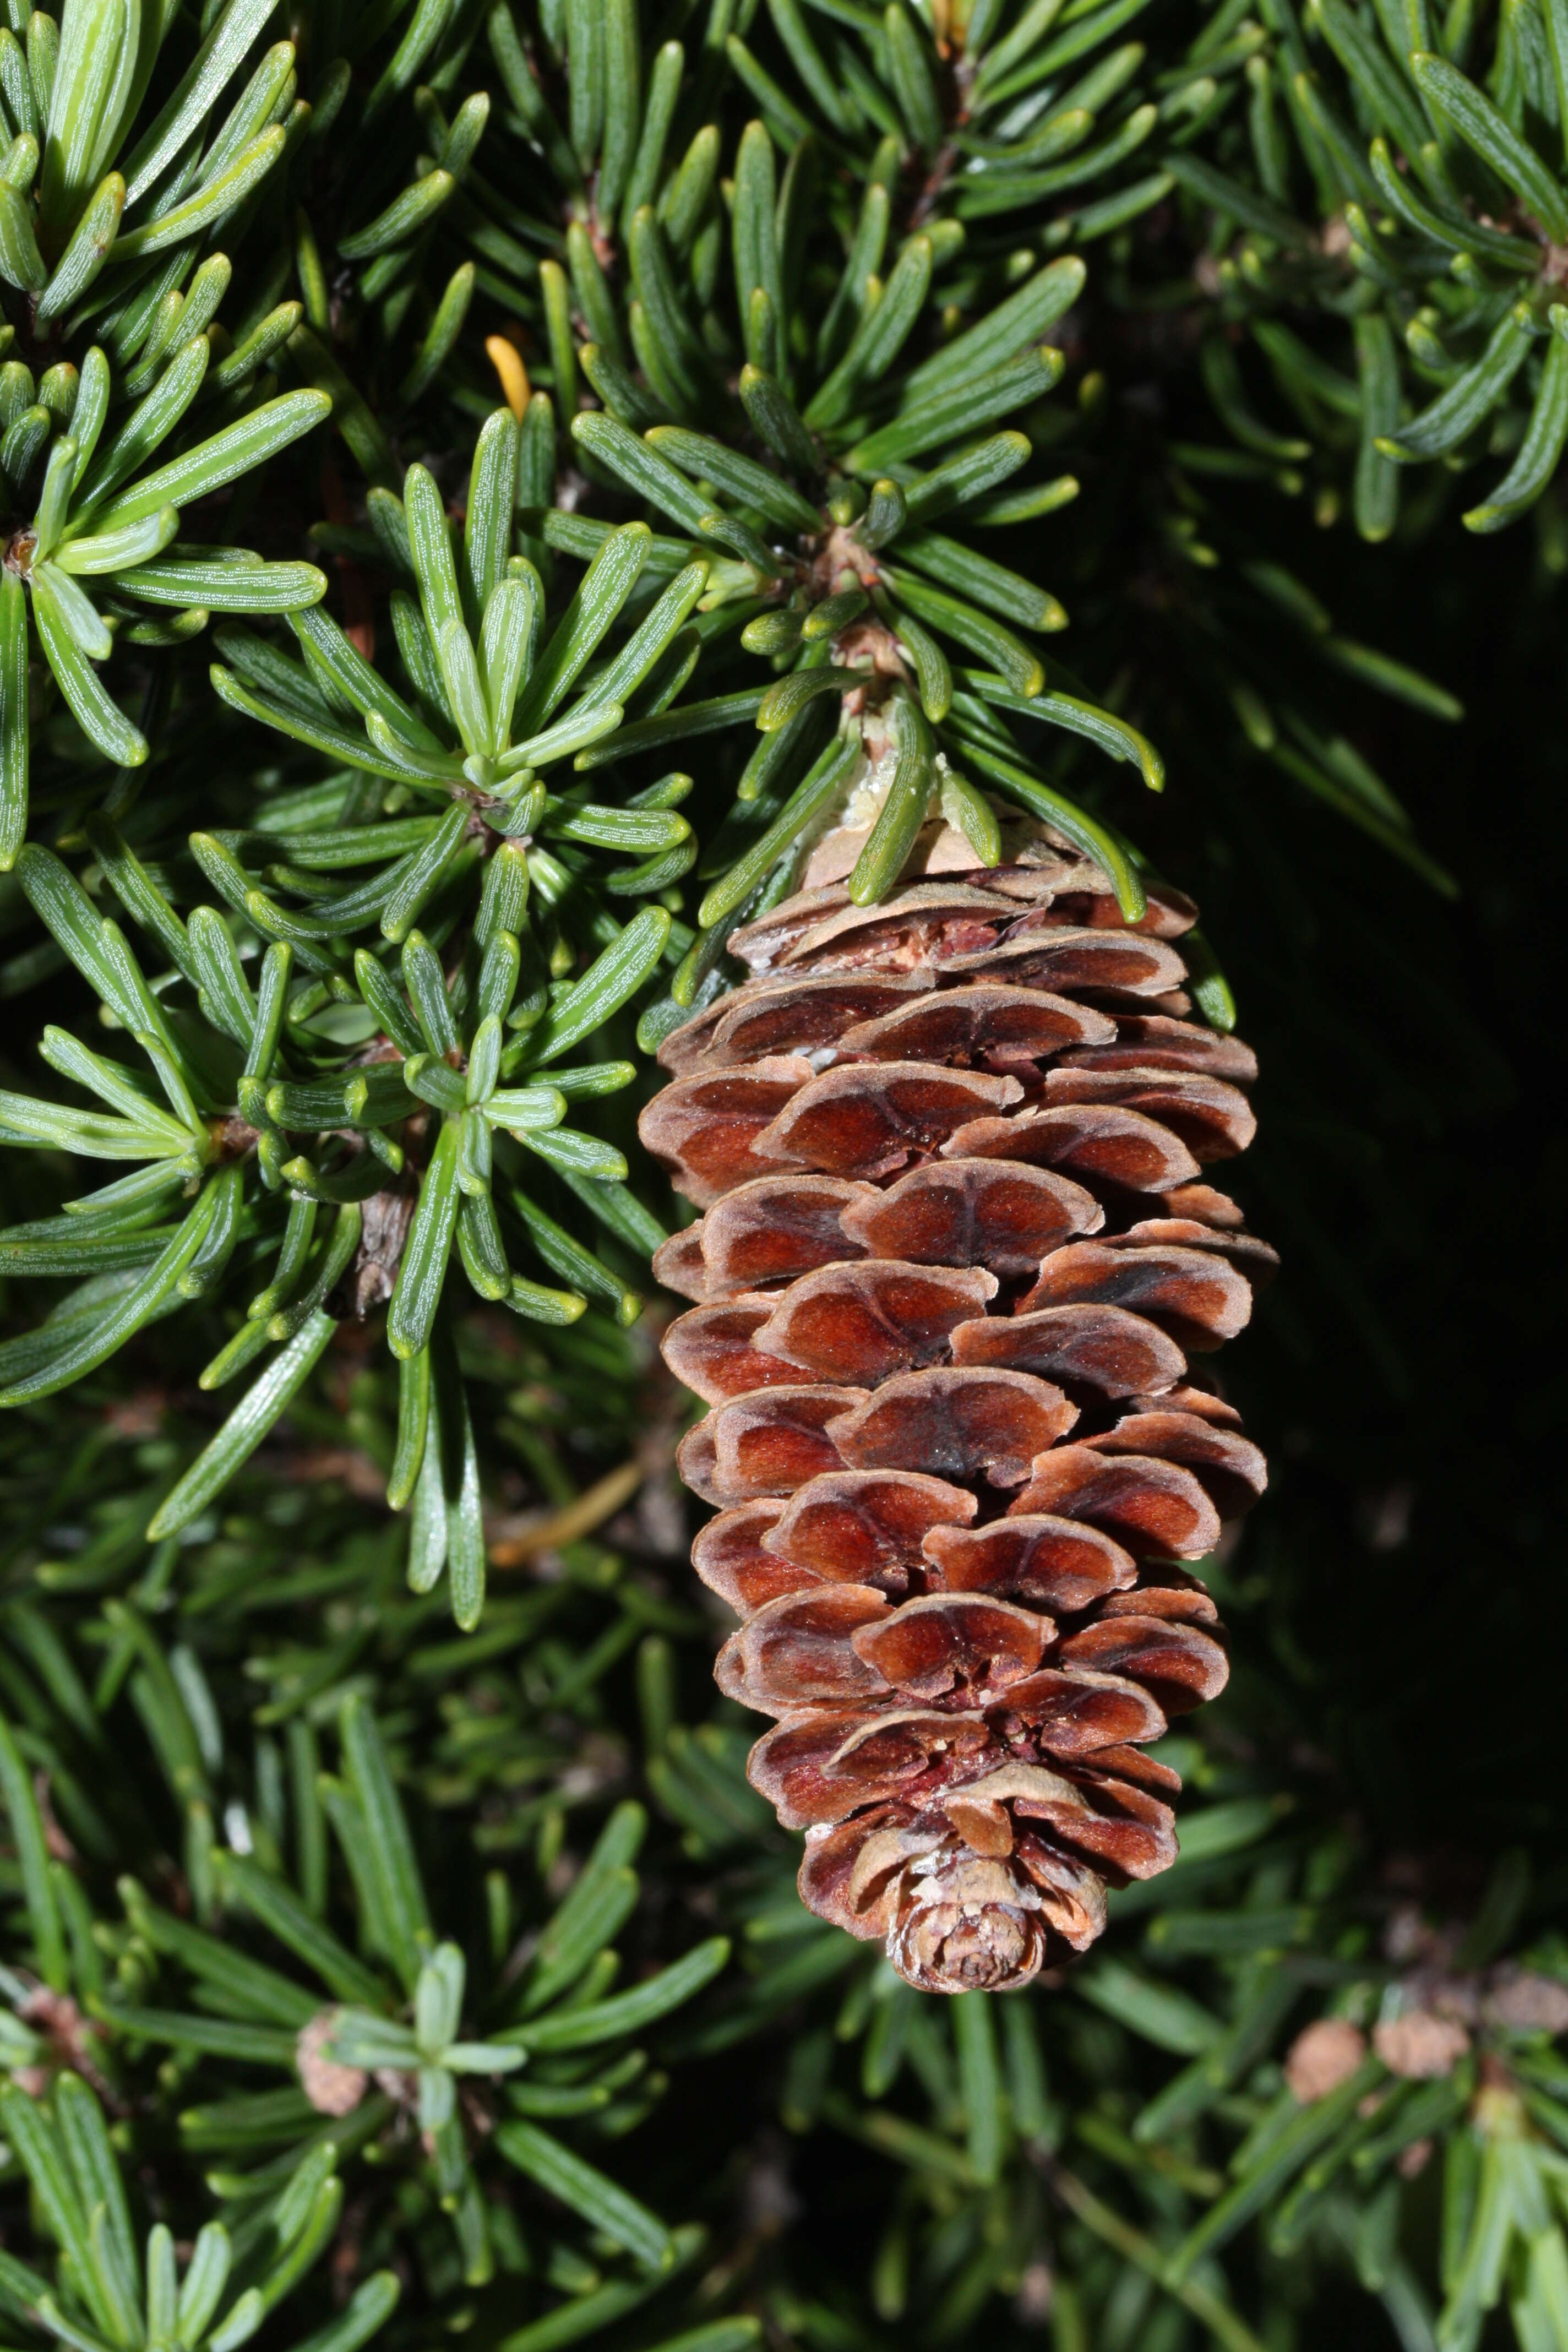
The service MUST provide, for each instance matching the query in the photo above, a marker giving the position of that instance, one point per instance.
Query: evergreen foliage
(629, 431)
(1384, 217)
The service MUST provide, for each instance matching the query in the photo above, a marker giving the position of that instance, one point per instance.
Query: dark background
(1406, 1376)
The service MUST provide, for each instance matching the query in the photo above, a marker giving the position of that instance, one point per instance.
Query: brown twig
(574, 1520)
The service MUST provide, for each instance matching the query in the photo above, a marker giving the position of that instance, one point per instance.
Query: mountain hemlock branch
(1387, 207)
(635, 1008)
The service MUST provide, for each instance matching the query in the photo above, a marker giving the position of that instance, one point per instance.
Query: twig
(575, 1519)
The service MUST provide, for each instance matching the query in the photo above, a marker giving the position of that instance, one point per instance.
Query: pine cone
(957, 1247)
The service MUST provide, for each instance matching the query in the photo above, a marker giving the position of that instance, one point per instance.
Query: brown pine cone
(957, 1247)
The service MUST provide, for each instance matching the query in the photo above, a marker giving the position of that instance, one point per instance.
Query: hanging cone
(957, 1248)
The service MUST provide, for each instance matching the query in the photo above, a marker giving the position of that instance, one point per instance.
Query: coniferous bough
(814, 496)
(91, 524)
(110, 2290)
(398, 2063)
(1260, 656)
(92, 184)
(1004, 114)
(108, 259)
(218, 1165)
(390, 2053)
(845, 580)
(864, 686)
(1399, 182)
(816, 554)
(129, 147)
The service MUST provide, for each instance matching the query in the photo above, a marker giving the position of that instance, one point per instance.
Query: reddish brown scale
(680, 1265)
(1104, 1348)
(1097, 1145)
(868, 1118)
(800, 1651)
(1203, 1205)
(991, 1212)
(731, 1556)
(1187, 1604)
(721, 1351)
(957, 1250)
(1256, 1259)
(976, 1024)
(766, 1443)
(1229, 1467)
(1152, 1041)
(871, 1527)
(1157, 1509)
(1212, 1119)
(1168, 914)
(776, 1228)
(800, 1016)
(1061, 1564)
(1201, 1402)
(966, 1646)
(1069, 959)
(1193, 1294)
(1179, 1664)
(970, 1423)
(867, 1321)
(706, 1126)
(899, 937)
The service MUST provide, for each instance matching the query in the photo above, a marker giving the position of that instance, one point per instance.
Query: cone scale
(956, 1278)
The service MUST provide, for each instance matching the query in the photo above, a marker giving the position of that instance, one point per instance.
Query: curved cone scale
(957, 1251)
(926, 921)
(1178, 1663)
(962, 1024)
(1154, 1041)
(823, 1767)
(1076, 1714)
(804, 1016)
(1098, 1144)
(1193, 1294)
(680, 1265)
(970, 1423)
(867, 1526)
(1255, 1258)
(718, 1350)
(867, 1322)
(990, 1213)
(953, 1641)
(1201, 1404)
(1102, 1348)
(779, 1227)
(705, 1127)
(800, 1649)
(1206, 1206)
(1068, 959)
(1168, 914)
(766, 1443)
(1186, 1603)
(1061, 1564)
(1214, 1119)
(1153, 1507)
(1229, 1467)
(868, 1118)
(731, 1556)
